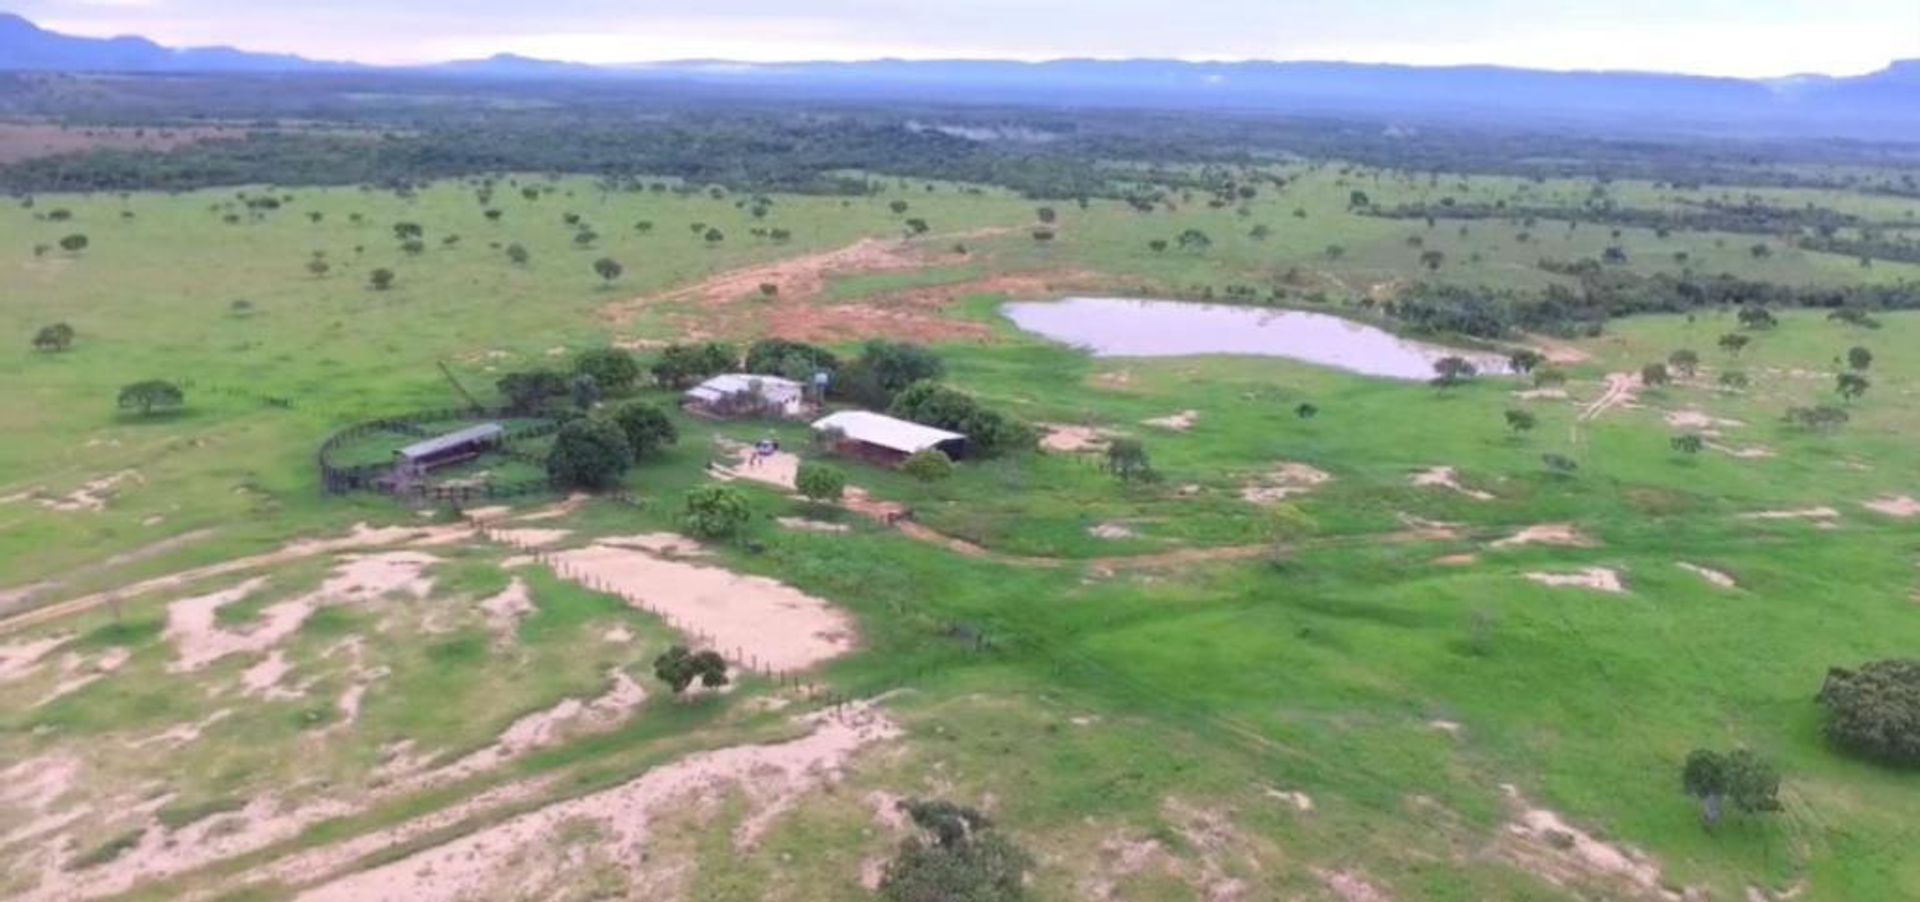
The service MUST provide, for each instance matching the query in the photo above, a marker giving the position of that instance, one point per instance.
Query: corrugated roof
(728, 384)
(455, 439)
(885, 431)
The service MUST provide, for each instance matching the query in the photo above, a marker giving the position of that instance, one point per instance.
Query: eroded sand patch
(1284, 481)
(92, 496)
(199, 639)
(1823, 517)
(505, 611)
(781, 469)
(530, 538)
(20, 659)
(1351, 886)
(1901, 506)
(1542, 394)
(1543, 843)
(1178, 422)
(547, 728)
(752, 620)
(1709, 574)
(773, 776)
(803, 524)
(1701, 422)
(665, 544)
(1112, 531)
(1563, 535)
(1448, 478)
(1599, 579)
(1064, 439)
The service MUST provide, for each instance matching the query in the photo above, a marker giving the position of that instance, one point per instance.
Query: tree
(1756, 317)
(527, 391)
(1739, 776)
(886, 368)
(1193, 240)
(1127, 460)
(1760, 251)
(150, 395)
(1521, 421)
(1451, 371)
(1654, 375)
(585, 391)
(647, 428)
(408, 231)
(681, 365)
(517, 254)
(1851, 386)
(588, 453)
(1859, 358)
(381, 279)
(898, 207)
(679, 667)
(955, 856)
(1306, 410)
(1820, 418)
(715, 511)
(931, 465)
(795, 360)
(820, 483)
(1733, 343)
(917, 226)
(1874, 712)
(1157, 245)
(318, 268)
(1334, 251)
(1356, 199)
(56, 337)
(989, 433)
(1685, 361)
(1688, 443)
(1432, 259)
(1560, 464)
(608, 269)
(1525, 360)
(1734, 379)
(613, 368)
(74, 244)
(1042, 236)
(714, 236)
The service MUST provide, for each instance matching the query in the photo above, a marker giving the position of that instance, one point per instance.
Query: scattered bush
(956, 856)
(819, 482)
(56, 337)
(1739, 776)
(715, 511)
(1874, 711)
(931, 465)
(678, 667)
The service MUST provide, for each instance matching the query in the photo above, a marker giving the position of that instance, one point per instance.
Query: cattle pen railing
(341, 479)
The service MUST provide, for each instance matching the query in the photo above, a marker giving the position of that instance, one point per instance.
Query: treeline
(1746, 218)
(1601, 293)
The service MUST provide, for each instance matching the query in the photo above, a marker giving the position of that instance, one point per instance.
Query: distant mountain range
(1883, 105)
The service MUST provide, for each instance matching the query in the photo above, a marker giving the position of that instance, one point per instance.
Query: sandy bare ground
(1558, 352)
(1351, 886)
(803, 524)
(1562, 535)
(1112, 531)
(505, 611)
(1064, 439)
(1178, 422)
(732, 302)
(1620, 391)
(1543, 843)
(359, 538)
(781, 469)
(91, 497)
(1824, 517)
(199, 639)
(1283, 482)
(1899, 506)
(665, 544)
(1542, 394)
(1744, 452)
(569, 718)
(529, 537)
(1457, 560)
(1716, 577)
(774, 777)
(1599, 579)
(1701, 422)
(752, 620)
(1448, 478)
(21, 659)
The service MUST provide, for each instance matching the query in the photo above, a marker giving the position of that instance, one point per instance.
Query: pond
(1123, 327)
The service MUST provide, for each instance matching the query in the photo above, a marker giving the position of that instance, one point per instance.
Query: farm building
(454, 447)
(884, 439)
(746, 394)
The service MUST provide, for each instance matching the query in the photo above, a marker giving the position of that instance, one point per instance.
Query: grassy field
(1139, 726)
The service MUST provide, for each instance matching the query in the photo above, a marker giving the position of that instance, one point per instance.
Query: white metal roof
(727, 385)
(885, 431)
(481, 433)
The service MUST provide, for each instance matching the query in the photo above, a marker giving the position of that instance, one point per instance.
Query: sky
(1749, 38)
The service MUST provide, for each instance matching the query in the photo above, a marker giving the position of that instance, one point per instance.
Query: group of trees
(989, 433)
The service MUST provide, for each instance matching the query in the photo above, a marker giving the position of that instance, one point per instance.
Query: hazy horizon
(1712, 38)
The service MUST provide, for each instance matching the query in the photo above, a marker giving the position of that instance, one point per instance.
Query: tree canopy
(151, 395)
(1874, 711)
(589, 453)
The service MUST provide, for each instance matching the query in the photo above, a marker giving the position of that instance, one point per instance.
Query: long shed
(885, 439)
(453, 447)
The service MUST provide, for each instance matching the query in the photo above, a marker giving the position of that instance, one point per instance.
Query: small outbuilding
(454, 447)
(745, 395)
(883, 439)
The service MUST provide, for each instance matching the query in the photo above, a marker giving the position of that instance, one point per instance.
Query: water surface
(1124, 327)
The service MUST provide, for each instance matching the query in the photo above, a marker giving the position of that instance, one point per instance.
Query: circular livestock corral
(452, 455)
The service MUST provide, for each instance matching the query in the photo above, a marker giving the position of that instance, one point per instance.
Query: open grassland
(1352, 684)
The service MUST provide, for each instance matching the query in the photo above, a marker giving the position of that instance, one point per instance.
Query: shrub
(612, 368)
(931, 465)
(715, 511)
(57, 337)
(956, 856)
(988, 432)
(589, 454)
(647, 428)
(150, 395)
(819, 482)
(679, 667)
(1874, 711)
(1127, 460)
